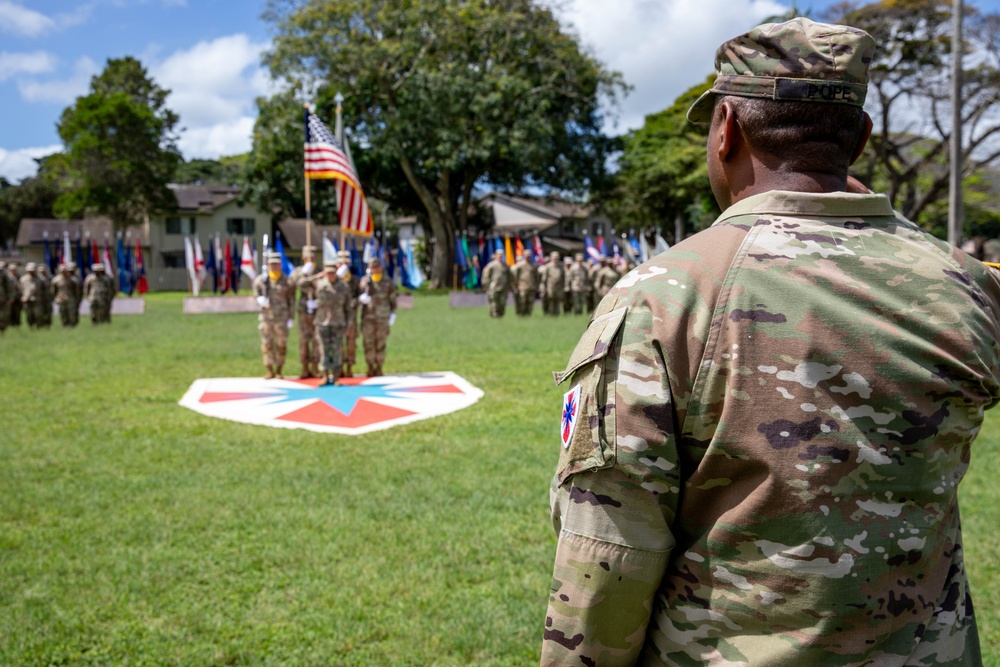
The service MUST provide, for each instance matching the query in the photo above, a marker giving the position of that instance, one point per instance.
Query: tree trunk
(442, 224)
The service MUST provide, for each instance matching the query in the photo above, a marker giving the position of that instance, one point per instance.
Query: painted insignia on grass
(352, 407)
(570, 414)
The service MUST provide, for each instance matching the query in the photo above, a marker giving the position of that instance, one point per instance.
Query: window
(184, 226)
(243, 226)
(173, 260)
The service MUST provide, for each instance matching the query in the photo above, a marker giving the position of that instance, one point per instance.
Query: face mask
(376, 277)
(274, 275)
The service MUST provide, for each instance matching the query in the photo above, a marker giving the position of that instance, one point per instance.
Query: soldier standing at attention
(8, 292)
(607, 276)
(524, 277)
(99, 291)
(497, 281)
(333, 311)
(579, 285)
(67, 294)
(378, 313)
(567, 288)
(31, 295)
(46, 295)
(15, 304)
(303, 280)
(351, 333)
(766, 425)
(553, 282)
(276, 298)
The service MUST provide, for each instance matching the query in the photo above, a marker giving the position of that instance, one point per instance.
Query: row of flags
(225, 263)
(131, 267)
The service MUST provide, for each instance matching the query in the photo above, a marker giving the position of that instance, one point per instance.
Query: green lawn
(135, 532)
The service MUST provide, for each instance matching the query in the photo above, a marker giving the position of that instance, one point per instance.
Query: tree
(662, 173)
(224, 171)
(120, 147)
(909, 99)
(34, 197)
(443, 95)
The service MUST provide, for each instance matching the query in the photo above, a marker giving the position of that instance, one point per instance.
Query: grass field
(135, 532)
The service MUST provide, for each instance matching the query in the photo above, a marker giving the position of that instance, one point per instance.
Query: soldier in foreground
(99, 291)
(351, 333)
(333, 311)
(67, 293)
(765, 427)
(524, 276)
(31, 295)
(378, 313)
(497, 282)
(276, 298)
(304, 282)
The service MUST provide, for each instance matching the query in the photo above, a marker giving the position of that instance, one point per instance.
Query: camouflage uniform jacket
(280, 295)
(31, 288)
(306, 286)
(496, 277)
(99, 288)
(334, 303)
(767, 427)
(66, 289)
(525, 276)
(9, 291)
(383, 294)
(553, 279)
(605, 279)
(579, 281)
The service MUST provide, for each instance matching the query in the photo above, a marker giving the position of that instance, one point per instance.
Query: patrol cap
(30, 266)
(343, 254)
(273, 258)
(69, 266)
(579, 256)
(796, 61)
(374, 264)
(554, 255)
(308, 250)
(498, 253)
(99, 266)
(331, 264)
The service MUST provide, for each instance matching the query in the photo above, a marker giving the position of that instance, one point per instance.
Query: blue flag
(404, 274)
(286, 264)
(81, 264)
(592, 251)
(234, 278)
(120, 255)
(460, 258)
(213, 266)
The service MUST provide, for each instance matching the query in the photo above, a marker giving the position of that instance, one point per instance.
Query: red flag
(229, 266)
(95, 254)
(140, 269)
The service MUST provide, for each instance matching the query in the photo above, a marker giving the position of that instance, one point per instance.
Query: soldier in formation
(46, 295)
(378, 313)
(524, 277)
(761, 451)
(567, 304)
(497, 282)
(67, 293)
(606, 278)
(579, 285)
(99, 291)
(553, 281)
(15, 305)
(351, 333)
(9, 292)
(303, 281)
(32, 295)
(334, 309)
(276, 299)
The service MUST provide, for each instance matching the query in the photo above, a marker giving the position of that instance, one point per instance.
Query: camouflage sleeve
(614, 495)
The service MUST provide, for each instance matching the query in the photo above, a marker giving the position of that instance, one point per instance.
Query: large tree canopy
(909, 99)
(120, 147)
(444, 94)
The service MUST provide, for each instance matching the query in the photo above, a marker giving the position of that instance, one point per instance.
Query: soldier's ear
(863, 141)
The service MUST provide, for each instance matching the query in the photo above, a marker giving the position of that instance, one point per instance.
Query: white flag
(644, 248)
(189, 263)
(329, 251)
(199, 261)
(661, 245)
(247, 265)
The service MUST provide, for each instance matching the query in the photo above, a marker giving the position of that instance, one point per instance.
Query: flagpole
(955, 195)
(338, 130)
(306, 178)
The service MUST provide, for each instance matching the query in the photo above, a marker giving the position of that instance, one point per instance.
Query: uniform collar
(811, 204)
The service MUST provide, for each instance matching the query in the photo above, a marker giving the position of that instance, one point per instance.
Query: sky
(208, 52)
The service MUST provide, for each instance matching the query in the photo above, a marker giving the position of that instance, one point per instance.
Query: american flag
(325, 158)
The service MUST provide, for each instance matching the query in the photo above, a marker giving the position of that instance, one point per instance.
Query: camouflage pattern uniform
(579, 285)
(305, 284)
(46, 295)
(567, 288)
(31, 295)
(553, 285)
(351, 333)
(497, 282)
(275, 315)
(376, 317)
(67, 294)
(524, 276)
(8, 292)
(334, 311)
(15, 304)
(99, 291)
(764, 437)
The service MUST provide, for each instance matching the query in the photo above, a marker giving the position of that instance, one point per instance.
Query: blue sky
(207, 52)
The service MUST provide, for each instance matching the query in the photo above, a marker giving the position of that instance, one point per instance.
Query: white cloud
(63, 91)
(37, 62)
(662, 47)
(213, 82)
(18, 164)
(231, 137)
(23, 21)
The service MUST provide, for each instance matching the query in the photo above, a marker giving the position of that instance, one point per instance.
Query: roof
(203, 198)
(32, 231)
(513, 213)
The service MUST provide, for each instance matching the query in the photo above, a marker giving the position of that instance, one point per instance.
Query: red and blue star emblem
(570, 415)
(353, 406)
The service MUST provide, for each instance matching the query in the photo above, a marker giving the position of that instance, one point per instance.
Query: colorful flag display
(248, 266)
(325, 158)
